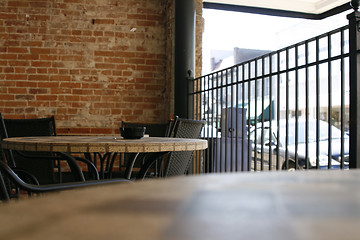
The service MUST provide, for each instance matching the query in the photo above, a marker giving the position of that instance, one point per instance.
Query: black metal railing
(288, 109)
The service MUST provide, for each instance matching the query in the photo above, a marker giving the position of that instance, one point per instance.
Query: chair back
(42, 170)
(178, 162)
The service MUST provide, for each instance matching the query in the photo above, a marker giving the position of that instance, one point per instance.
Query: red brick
(20, 70)
(16, 76)
(104, 21)
(18, 3)
(39, 17)
(7, 97)
(71, 58)
(38, 91)
(146, 23)
(17, 104)
(104, 65)
(26, 84)
(31, 43)
(17, 90)
(136, 16)
(46, 97)
(40, 50)
(104, 53)
(7, 16)
(76, 32)
(98, 33)
(38, 77)
(25, 97)
(28, 57)
(50, 85)
(37, 4)
(41, 64)
(17, 50)
(8, 56)
(48, 58)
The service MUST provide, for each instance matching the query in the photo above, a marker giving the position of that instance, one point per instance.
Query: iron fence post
(354, 123)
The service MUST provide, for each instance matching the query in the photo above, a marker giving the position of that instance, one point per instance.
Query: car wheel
(292, 166)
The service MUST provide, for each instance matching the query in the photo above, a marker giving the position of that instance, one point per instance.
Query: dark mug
(132, 132)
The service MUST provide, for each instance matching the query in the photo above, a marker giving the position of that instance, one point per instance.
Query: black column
(185, 22)
(354, 43)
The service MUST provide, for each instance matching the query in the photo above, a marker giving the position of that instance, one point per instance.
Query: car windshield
(323, 131)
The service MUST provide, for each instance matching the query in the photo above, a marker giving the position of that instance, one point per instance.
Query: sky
(225, 30)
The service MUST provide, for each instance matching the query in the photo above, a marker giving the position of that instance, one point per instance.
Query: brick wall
(91, 63)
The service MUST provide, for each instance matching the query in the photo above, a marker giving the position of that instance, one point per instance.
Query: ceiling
(305, 7)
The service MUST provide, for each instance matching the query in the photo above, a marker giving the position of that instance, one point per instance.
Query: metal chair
(177, 163)
(153, 130)
(41, 165)
(9, 179)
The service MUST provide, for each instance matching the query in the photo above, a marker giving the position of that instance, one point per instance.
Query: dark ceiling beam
(276, 12)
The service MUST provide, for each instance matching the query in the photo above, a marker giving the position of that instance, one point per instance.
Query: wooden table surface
(103, 144)
(273, 205)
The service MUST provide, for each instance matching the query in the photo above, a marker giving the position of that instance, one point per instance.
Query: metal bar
(342, 110)
(339, 57)
(231, 160)
(243, 118)
(214, 134)
(262, 114)
(255, 120)
(296, 107)
(249, 122)
(329, 104)
(237, 126)
(317, 105)
(278, 114)
(307, 106)
(218, 111)
(276, 12)
(270, 115)
(221, 104)
(210, 105)
(226, 123)
(287, 111)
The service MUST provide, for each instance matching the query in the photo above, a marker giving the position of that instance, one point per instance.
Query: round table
(81, 144)
(156, 146)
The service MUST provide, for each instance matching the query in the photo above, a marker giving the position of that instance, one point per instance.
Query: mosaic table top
(102, 144)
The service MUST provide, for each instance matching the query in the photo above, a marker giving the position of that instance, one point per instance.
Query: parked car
(279, 144)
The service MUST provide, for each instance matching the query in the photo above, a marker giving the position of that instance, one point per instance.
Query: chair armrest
(26, 176)
(91, 167)
(52, 187)
(74, 166)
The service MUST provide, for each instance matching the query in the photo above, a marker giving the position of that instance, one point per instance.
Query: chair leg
(150, 161)
(4, 196)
